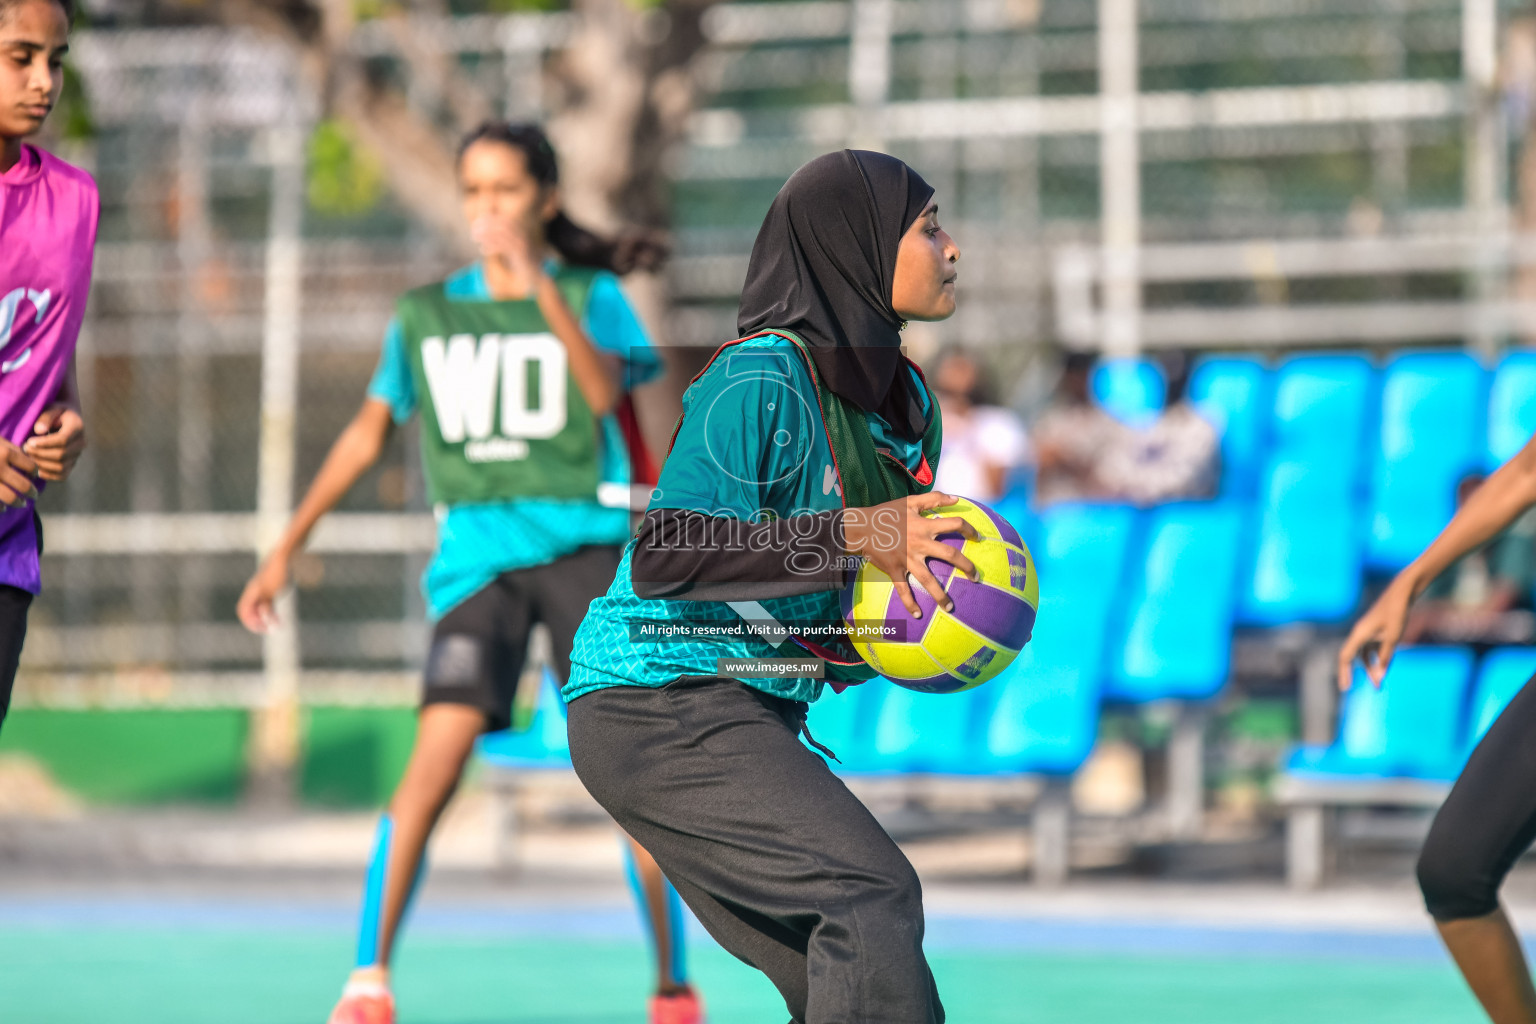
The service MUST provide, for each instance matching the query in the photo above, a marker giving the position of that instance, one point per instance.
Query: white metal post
(194, 398)
(869, 68)
(1120, 176)
(275, 734)
(1485, 148)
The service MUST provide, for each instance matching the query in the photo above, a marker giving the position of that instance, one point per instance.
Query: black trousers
(14, 603)
(1487, 822)
(781, 863)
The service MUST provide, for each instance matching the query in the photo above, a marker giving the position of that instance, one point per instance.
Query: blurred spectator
(1072, 438)
(1174, 458)
(982, 442)
(1486, 597)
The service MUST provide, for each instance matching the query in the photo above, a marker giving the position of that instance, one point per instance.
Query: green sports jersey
(759, 436)
(477, 541)
(502, 417)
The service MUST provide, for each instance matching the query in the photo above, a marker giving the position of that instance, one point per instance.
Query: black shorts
(478, 648)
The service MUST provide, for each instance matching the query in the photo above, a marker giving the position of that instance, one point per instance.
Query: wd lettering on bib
(464, 375)
(501, 415)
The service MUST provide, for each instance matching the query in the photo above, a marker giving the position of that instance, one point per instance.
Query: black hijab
(822, 267)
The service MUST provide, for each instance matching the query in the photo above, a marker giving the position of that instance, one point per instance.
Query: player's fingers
(908, 602)
(1346, 664)
(254, 610)
(952, 524)
(19, 484)
(43, 443)
(48, 419)
(919, 570)
(943, 552)
(19, 460)
(1377, 667)
(931, 500)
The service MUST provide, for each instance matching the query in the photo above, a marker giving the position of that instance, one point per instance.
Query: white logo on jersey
(11, 365)
(9, 304)
(829, 482)
(463, 374)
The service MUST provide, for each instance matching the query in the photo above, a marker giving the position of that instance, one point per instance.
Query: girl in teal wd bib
(805, 445)
(518, 367)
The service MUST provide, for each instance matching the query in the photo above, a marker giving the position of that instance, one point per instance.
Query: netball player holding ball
(809, 441)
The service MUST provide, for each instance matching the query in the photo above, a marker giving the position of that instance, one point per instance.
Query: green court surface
(70, 968)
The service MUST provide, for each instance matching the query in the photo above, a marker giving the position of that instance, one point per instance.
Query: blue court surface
(185, 958)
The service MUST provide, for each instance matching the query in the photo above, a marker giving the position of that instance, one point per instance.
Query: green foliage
(344, 178)
(367, 10)
(76, 122)
(519, 6)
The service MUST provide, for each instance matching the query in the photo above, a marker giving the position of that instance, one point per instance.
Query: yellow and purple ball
(946, 652)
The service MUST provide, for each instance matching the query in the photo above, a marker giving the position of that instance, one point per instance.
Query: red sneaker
(364, 1004)
(682, 1007)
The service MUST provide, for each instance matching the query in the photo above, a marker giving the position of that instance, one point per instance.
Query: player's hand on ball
(17, 472)
(898, 539)
(1375, 637)
(255, 607)
(57, 442)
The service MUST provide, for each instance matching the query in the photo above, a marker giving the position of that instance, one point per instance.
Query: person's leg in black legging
(14, 603)
(1486, 823)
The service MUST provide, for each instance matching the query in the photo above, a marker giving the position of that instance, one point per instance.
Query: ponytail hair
(578, 247)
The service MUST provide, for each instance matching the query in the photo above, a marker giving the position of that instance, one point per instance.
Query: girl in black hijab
(805, 445)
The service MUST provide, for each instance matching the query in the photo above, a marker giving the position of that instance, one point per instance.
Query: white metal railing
(1078, 272)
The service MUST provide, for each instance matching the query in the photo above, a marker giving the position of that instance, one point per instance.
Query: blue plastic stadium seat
(922, 732)
(1305, 556)
(1236, 392)
(1432, 436)
(1324, 406)
(1412, 727)
(1177, 632)
(1131, 390)
(844, 722)
(1082, 549)
(1502, 675)
(1511, 407)
(1042, 713)
(1015, 508)
(544, 744)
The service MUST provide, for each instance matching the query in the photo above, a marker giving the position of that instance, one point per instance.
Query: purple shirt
(48, 212)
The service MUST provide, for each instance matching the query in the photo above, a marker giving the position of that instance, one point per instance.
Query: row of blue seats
(1135, 607)
(1140, 606)
(1435, 705)
(1024, 722)
(1353, 467)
